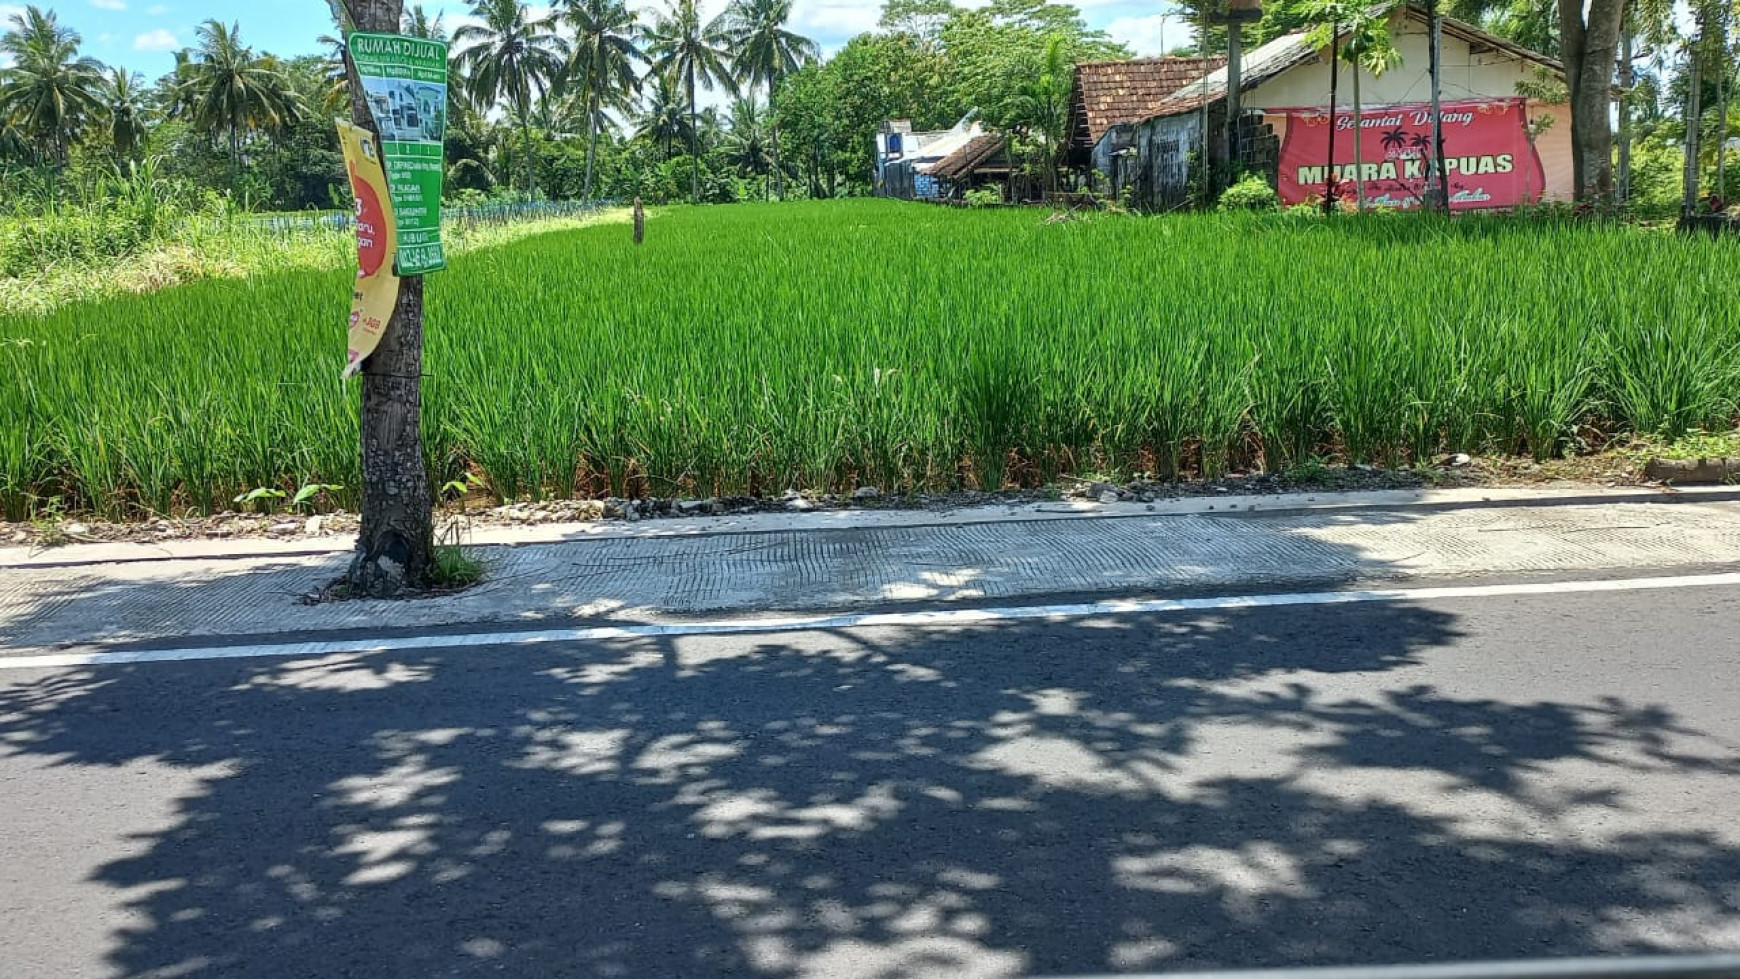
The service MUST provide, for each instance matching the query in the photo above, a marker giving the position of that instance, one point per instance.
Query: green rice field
(827, 345)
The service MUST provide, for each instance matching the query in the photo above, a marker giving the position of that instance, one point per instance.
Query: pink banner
(1488, 156)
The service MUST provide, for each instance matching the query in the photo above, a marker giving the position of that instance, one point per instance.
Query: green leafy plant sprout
(265, 498)
(307, 494)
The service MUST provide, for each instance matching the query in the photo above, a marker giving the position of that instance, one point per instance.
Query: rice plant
(827, 345)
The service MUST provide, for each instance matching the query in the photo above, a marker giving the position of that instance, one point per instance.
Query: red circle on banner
(371, 222)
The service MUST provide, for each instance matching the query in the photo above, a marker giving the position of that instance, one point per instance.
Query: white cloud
(1154, 34)
(7, 12)
(157, 9)
(834, 20)
(109, 4)
(157, 40)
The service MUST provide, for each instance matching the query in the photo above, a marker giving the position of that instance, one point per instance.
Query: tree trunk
(1358, 153)
(1722, 88)
(1694, 122)
(591, 142)
(395, 549)
(531, 157)
(778, 165)
(1589, 49)
(1622, 191)
(694, 141)
(1440, 185)
(1331, 184)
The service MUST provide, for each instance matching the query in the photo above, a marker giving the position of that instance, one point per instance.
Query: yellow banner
(377, 284)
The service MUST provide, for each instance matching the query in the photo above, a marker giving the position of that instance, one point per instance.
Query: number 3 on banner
(377, 285)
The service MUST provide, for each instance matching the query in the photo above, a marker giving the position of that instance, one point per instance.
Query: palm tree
(336, 90)
(664, 119)
(418, 23)
(1043, 104)
(471, 141)
(224, 87)
(766, 53)
(698, 55)
(320, 92)
(12, 142)
(605, 49)
(1366, 45)
(512, 57)
(124, 111)
(50, 93)
(746, 143)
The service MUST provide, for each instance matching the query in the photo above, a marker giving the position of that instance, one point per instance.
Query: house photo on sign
(405, 82)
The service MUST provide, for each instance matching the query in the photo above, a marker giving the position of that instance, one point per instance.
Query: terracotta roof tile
(1115, 93)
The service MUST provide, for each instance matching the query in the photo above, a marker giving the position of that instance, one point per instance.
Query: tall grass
(825, 345)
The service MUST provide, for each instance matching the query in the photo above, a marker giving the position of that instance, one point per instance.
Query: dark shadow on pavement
(1027, 798)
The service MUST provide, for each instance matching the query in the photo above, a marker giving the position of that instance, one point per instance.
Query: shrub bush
(985, 197)
(1253, 193)
(79, 235)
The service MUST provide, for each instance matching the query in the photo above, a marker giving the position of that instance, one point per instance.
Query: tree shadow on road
(1019, 798)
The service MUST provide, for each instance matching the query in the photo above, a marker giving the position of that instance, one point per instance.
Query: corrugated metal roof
(1257, 66)
(1283, 53)
(972, 155)
(945, 144)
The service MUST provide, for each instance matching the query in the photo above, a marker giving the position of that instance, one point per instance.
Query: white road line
(941, 618)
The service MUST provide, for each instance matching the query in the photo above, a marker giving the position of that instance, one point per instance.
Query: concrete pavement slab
(653, 578)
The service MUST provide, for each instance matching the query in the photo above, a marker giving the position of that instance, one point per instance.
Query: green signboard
(405, 82)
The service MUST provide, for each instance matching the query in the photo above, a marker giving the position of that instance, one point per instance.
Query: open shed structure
(1503, 148)
(1109, 98)
(941, 166)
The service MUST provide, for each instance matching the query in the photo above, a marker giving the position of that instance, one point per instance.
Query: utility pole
(1439, 189)
(1238, 14)
(1207, 170)
(395, 549)
(1234, 51)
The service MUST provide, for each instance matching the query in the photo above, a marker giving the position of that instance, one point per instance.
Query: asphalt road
(1465, 779)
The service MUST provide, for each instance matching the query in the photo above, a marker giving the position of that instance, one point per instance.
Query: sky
(142, 34)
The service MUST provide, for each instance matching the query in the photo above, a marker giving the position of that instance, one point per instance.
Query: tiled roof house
(1112, 96)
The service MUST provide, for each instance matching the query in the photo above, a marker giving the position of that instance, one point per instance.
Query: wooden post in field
(639, 222)
(395, 549)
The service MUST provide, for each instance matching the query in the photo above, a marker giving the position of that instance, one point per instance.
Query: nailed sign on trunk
(377, 287)
(404, 81)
